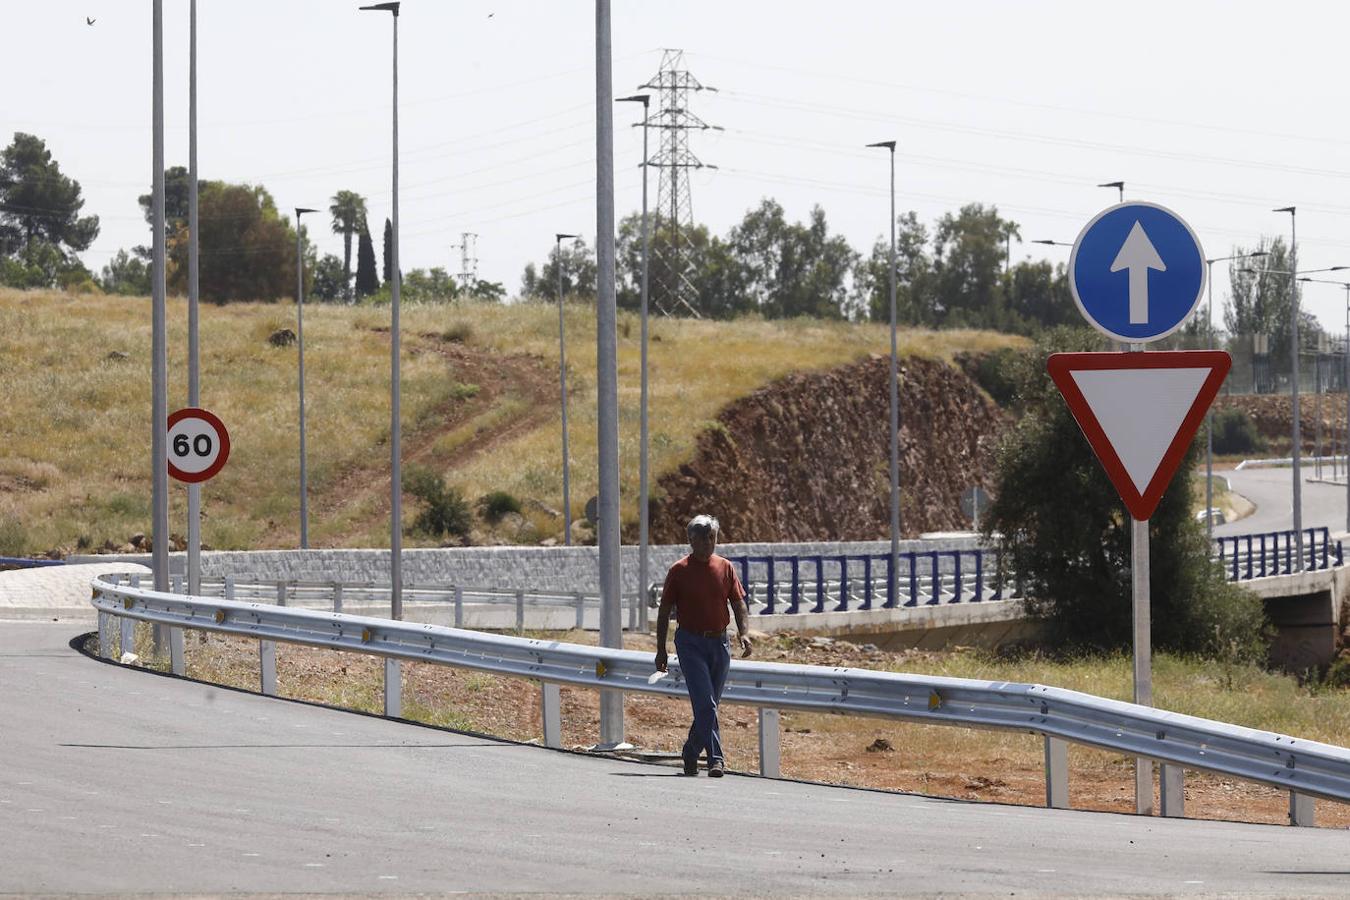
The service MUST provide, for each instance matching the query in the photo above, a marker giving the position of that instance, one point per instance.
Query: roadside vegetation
(479, 408)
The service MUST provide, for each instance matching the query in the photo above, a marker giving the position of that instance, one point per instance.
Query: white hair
(702, 524)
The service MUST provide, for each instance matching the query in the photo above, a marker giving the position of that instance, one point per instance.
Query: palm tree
(349, 216)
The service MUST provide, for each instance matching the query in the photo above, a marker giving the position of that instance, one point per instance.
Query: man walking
(699, 587)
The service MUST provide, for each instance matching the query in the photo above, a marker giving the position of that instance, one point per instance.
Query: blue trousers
(705, 663)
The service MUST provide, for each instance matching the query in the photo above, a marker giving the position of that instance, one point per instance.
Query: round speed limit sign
(198, 445)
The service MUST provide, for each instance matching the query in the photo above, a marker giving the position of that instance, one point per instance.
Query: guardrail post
(1302, 809)
(770, 744)
(580, 599)
(979, 576)
(127, 628)
(459, 606)
(393, 688)
(520, 612)
(935, 581)
(177, 660)
(105, 633)
(267, 667)
(229, 587)
(842, 605)
(956, 577)
(1056, 773)
(1143, 786)
(337, 596)
(633, 612)
(795, 564)
(820, 585)
(1173, 791)
(769, 589)
(551, 699)
(176, 584)
(281, 593)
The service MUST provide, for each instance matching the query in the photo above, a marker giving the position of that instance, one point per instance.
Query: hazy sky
(1219, 110)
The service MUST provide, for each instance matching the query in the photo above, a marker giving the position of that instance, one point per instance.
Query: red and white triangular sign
(1139, 412)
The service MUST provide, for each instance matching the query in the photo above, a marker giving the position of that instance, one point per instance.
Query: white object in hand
(656, 676)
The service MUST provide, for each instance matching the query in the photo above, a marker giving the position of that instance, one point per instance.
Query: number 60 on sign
(198, 445)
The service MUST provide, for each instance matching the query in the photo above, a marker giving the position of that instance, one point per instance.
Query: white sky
(1219, 110)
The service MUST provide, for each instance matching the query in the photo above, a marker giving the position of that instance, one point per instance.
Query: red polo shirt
(700, 591)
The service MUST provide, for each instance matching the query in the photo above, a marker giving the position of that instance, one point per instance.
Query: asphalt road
(116, 780)
(1272, 492)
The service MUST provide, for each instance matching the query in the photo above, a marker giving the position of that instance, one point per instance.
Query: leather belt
(720, 632)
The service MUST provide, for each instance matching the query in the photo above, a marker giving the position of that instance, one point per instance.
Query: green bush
(495, 505)
(13, 537)
(999, 373)
(1066, 539)
(1235, 432)
(445, 511)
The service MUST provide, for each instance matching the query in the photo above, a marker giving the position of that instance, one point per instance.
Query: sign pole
(1143, 654)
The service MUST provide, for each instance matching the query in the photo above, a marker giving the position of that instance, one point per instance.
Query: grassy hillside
(479, 405)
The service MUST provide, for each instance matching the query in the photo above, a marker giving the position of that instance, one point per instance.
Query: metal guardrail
(456, 598)
(1249, 556)
(1304, 768)
(24, 562)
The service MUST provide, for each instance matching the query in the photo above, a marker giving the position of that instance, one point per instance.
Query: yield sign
(1139, 412)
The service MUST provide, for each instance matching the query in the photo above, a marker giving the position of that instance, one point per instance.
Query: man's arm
(742, 628)
(662, 628)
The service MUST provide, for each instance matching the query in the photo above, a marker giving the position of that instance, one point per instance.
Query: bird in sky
(88, 21)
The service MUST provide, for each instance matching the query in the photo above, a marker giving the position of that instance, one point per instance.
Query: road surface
(117, 780)
(1271, 490)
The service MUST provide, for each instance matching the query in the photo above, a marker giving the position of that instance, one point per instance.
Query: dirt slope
(808, 457)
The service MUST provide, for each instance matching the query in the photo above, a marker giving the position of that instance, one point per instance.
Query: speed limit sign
(198, 445)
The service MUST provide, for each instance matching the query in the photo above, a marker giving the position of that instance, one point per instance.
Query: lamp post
(194, 554)
(395, 433)
(562, 383)
(1345, 285)
(300, 343)
(1118, 185)
(159, 366)
(894, 567)
(393, 679)
(643, 512)
(607, 374)
(1209, 414)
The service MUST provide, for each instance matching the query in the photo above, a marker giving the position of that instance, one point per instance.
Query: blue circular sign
(1137, 272)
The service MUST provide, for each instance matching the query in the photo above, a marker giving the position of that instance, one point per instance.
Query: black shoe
(716, 769)
(690, 766)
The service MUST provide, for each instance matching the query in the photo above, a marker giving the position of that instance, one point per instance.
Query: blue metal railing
(1248, 556)
(23, 562)
(839, 583)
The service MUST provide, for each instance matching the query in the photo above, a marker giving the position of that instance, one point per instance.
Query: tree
(913, 273)
(126, 274)
(491, 291)
(422, 285)
(367, 281)
(579, 276)
(1037, 296)
(792, 269)
(968, 262)
(1066, 536)
(330, 279)
(389, 252)
(1259, 301)
(38, 203)
(349, 215)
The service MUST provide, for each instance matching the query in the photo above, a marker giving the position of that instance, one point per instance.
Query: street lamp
(895, 402)
(393, 680)
(395, 433)
(1345, 285)
(643, 524)
(1118, 185)
(159, 364)
(300, 343)
(194, 554)
(562, 381)
(1209, 415)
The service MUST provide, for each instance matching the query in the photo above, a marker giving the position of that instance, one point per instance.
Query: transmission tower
(468, 260)
(671, 285)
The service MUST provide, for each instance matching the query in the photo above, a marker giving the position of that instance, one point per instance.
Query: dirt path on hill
(498, 377)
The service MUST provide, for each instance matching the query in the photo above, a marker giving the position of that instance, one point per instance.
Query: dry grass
(938, 760)
(75, 467)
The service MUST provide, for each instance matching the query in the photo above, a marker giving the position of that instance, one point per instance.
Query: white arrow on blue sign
(1137, 272)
